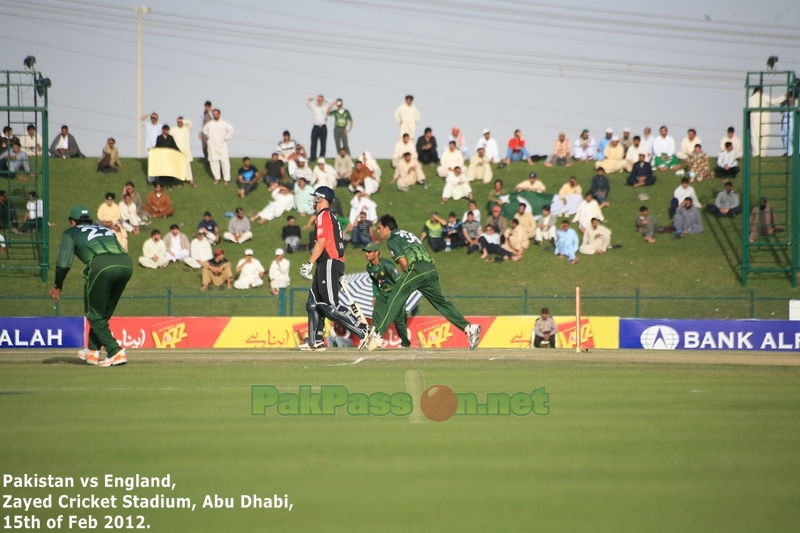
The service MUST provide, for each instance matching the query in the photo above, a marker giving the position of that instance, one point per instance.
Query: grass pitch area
(634, 441)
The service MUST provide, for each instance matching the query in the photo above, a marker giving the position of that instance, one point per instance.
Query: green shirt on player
(340, 120)
(403, 243)
(86, 242)
(383, 276)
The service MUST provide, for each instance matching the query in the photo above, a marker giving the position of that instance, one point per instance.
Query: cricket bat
(356, 310)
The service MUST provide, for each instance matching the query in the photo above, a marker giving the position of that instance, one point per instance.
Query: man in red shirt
(323, 297)
(516, 150)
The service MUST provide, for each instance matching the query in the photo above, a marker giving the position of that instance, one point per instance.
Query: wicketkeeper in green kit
(419, 274)
(108, 269)
(384, 276)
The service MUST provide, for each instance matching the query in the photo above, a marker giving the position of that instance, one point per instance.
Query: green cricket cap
(372, 247)
(80, 212)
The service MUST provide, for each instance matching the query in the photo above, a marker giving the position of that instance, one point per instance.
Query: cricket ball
(438, 403)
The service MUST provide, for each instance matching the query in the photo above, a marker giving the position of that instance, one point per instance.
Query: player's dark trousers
(380, 308)
(340, 138)
(323, 302)
(106, 277)
(424, 278)
(318, 134)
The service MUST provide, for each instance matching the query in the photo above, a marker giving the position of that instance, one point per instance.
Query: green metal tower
(26, 241)
(770, 172)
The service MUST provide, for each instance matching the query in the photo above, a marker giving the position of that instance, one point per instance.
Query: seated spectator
(404, 145)
(763, 221)
(526, 220)
(291, 235)
(498, 222)
(480, 167)
(584, 148)
(451, 158)
(626, 141)
(453, 232)
(323, 175)
(372, 164)
(8, 215)
(603, 144)
(687, 220)
(408, 172)
(632, 153)
(247, 178)
(471, 231)
(697, 165)
(456, 186)
(596, 239)
(456, 137)
(34, 214)
(647, 225)
(726, 204)
(688, 143)
(641, 174)
(274, 171)
(136, 199)
(471, 208)
(31, 142)
(362, 231)
(426, 148)
(128, 213)
(516, 150)
(12, 160)
(613, 157)
(8, 135)
(295, 158)
(569, 198)
(282, 202)
(154, 252)
(65, 145)
(489, 146)
(339, 337)
(490, 244)
(217, 271)
(664, 151)
(159, 204)
(200, 249)
(301, 170)
(343, 166)
(238, 228)
(250, 272)
(588, 210)
(495, 195)
(178, 247)
(109, 161)
(566, 242)
(362, 176)
(601, 187)
(279, 272)
(362, 203)
(304, 197)
(545, 331)
(735, 141)
(287, 147)
(210, 226)
(545, 227)
(120, 234)
(108, 212)
(727, 166)
(433, 230)
(562, 152)
(531, 184)
(683, 191)
(516, 240)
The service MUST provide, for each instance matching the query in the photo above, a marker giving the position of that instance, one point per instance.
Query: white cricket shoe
(119, 359)
(318, 347)
(90, 356)
(473, 332)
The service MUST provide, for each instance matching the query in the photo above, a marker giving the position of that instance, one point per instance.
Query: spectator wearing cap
(247, 178)
(601, 187)
(498, 221)
(562, 152)
(343, 166)
(626, 141)
(108, 212)
(664, 151)
(516, 150)
(407, 115)
(585, 147)
(641, 173)
(433, 230)
(319, 132)
(532, 184)
(210, 226)
(217, 271)
(279, 272)
(200, 249)
(605, 141)
(458, 137)
(238, 228)
(323, 175)
(451, 158)
(304, 197)
(182, 136)
(566, 242)
(404, 145)
(250, 272)
(489, 146)
(688, 143)
(613, 157)
(426, 148)
(456, 186)
(274, 171)
(480, 167)
(342, 125)
(300, 170)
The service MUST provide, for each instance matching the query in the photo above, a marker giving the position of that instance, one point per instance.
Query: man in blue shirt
(211, 227)
(567, 242)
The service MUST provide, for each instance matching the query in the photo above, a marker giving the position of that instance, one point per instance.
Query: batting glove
(305, 271)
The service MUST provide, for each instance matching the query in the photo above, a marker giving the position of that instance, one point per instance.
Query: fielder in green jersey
(419, 274)
(384, 276)
(108, 269)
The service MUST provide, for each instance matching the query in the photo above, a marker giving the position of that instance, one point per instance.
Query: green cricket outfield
(634, 441)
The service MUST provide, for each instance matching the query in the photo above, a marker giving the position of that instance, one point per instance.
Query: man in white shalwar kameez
(361, 202)
(282, 201)
(588, 210)
(759, 99)
(403, 145)
(323, 175)
(456, 186)
(218, 132)
(596, 239)
(451, 158)
(407, 115)
(480, 167)
(568, 199)
(181, 133)
(250, 272)
(408, 172)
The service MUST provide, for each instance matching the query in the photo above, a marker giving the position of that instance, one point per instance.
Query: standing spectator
(489, 146)
(461, 144)
(601, 187)
(178, 247)
(201, 249)
(544, 331)
(181, 134)
(250, 272)
(319, 132)
(642, 173)
(109, 161)
(647, 225)
(407, 116)
(516, 150)
(763, 221)
(426, 148)
(687, 220)
(596, 239)
(210, 226)
(65, 145)
(736, 142)
(159, 204)
(154, 253)
(279, 272)
(566, 242)
(291, 235)
(247, 177)
(152, 129)
(207, 117)
(342, 125)
(726, 204)
(727, 166)
(562, 152)
(238, 228)
(31, 142)
(219, 132)
(760, 121)
(343, 166)
(664, 151)
(217, 271)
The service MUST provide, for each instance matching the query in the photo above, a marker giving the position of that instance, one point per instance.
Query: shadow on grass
(65, 360)
(723, 229)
